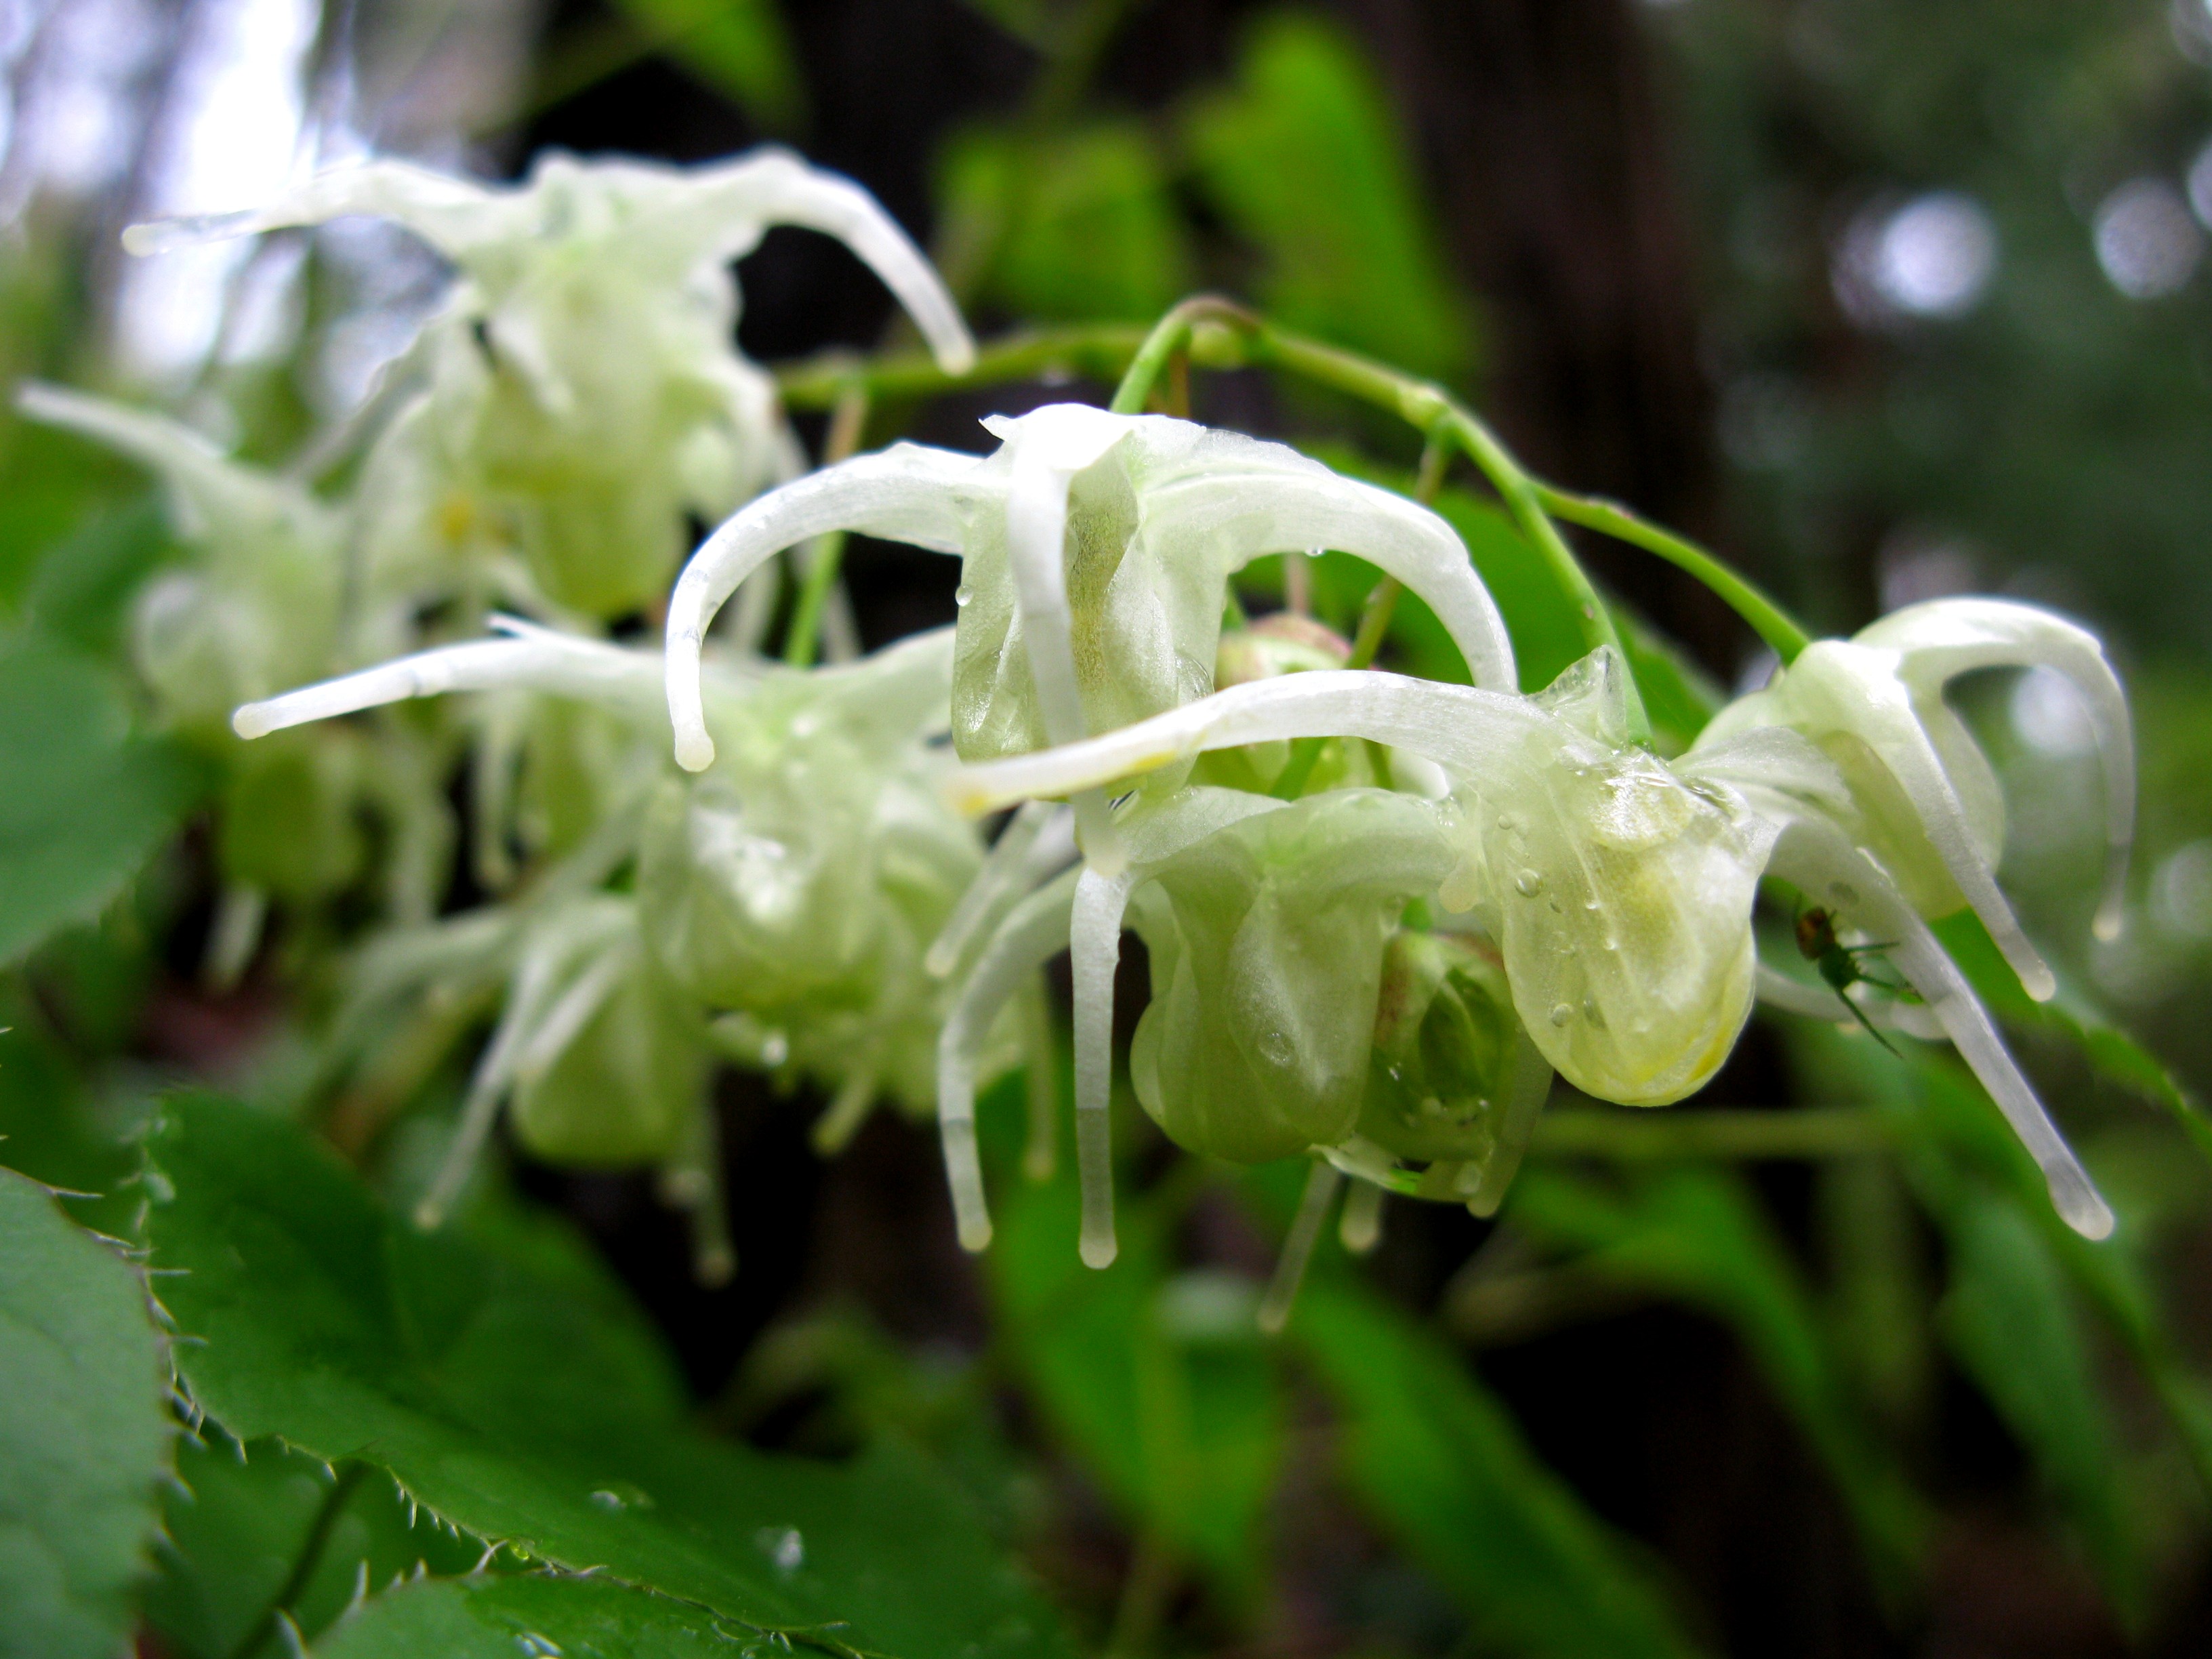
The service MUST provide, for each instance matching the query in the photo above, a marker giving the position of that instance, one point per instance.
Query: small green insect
(1838, 963)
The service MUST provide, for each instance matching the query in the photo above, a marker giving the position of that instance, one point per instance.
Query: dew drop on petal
(1528, 883)
(962, 594)
(1561, 1014)
(1276, 1049)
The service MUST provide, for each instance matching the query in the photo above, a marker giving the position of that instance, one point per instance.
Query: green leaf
(83, 591)
(508, 1387)
(1159, 1383)
(1079, 225)
(87, 801)
(543, 1613)
(84, 1434)
(1442, 1464)
(2011, 1320)
(1697, 1235)
(1305, 161)
(236, 1523)
(738, 47)
(2018, 1278)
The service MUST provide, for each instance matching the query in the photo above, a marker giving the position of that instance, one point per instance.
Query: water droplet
(1591, 905)
(1276, 1049)
(1529, 883)
(962, 594)
(1561, 1014)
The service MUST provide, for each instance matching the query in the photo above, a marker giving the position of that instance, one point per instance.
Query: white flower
(1096, 553)
(1922, 799)
(585, 392)
(1621, 888)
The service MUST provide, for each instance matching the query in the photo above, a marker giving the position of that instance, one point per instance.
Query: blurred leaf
(87, 801)
(1699, 1234)
(81, 592)
(50, 1128)
(1159, 1383)
(1442, 1464)
(503, 1618)
(1303, 160)
(1079, 225)
(235, 1525)
(2017, 1273)
(84, 1433)
(2072, 1018)
(738, 47)
(2010, 1319)
(509, 1387)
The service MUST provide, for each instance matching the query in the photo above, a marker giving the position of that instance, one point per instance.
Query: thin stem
(310, 1557)
(1767, 619)
(1638, 1136)
(1240, 338)
(848, 423)
(1099, 352)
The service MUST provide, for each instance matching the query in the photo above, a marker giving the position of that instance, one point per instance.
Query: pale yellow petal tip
(2087, 1214)
(966, 796)
(976, 1236)
(2039, 983)
(958, 357)
(1099, 1252)
(2110, 921)
(695, 751)
(250, 721)
(144, 239)
(429, 1215)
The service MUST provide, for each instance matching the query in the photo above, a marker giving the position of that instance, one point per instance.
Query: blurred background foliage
(1887, 299)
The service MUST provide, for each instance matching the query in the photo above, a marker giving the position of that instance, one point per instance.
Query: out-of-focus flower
(584, 391)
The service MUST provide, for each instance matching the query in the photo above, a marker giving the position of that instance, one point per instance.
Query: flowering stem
(1767, 619)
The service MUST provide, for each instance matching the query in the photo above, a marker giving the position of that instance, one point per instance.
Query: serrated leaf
(1696, 1234)
(1443, 1465)
(539, 1614)
(87, 801)
(236, 1523)
(516, 1394)
(84, 1433)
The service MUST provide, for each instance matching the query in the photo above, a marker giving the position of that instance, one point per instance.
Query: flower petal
(905, 493)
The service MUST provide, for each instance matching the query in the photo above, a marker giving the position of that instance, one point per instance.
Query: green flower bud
(1267, 941)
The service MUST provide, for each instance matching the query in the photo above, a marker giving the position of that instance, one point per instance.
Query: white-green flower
(585, 390)
(1922, 799)
(1096, 552)
(259, 608)
(1620, 888)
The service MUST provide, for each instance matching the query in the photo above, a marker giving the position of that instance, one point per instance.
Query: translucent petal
(1850, 699)
(534, 659)
(1819, 859)
(1032, 932)
(907, 493)
(1940, 640)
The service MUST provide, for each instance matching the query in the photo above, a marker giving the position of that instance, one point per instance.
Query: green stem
(1767, 619)
(1638, 1136)
(310, 1557)
(848, 425)
(1099, 352)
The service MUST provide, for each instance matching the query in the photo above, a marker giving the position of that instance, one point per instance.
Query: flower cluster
(1382, 913)
(541, 447)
